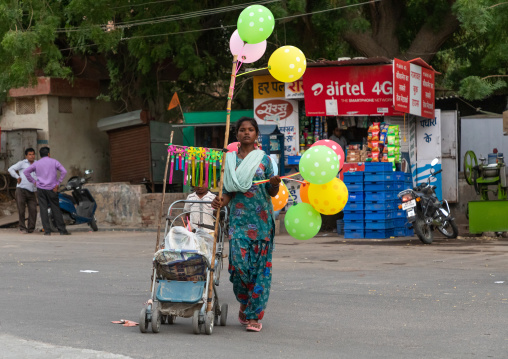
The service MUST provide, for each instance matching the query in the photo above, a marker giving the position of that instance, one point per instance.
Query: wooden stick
(163, 195)
(183, 117)
(221, 182)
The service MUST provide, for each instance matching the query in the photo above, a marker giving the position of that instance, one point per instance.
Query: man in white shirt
(25, 192)
(200, 213)
(339, 138)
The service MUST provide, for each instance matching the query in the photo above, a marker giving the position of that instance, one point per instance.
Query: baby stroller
(182, 275)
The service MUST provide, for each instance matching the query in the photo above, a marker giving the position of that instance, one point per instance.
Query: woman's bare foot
(242, 318)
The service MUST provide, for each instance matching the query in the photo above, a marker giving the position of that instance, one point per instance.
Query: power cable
(170, 18)
(223, 26)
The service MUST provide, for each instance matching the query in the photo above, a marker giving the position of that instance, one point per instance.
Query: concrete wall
(129, 205)
(74, 138)
(39, 119)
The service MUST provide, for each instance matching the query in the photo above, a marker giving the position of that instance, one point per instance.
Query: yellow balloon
(329, 198)
(287, 64)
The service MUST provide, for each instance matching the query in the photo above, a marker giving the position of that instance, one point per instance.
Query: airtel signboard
(349, 91)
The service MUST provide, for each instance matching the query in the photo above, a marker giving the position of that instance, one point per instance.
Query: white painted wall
(10, 120)
(75, 140)
(482, 134)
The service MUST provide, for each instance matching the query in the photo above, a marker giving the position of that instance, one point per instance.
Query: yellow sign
(268, 87)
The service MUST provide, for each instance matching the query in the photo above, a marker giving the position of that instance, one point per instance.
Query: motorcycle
(79, 207)
(425, 212)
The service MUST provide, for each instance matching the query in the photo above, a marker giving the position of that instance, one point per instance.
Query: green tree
(145, 50)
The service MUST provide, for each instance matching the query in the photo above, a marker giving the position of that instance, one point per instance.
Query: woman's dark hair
(242, 120)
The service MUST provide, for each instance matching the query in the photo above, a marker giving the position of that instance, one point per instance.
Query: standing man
(25, 192)
(339, 138)
(47, 189)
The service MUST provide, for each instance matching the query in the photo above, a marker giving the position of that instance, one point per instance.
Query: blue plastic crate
(378, 167)
(407, 177)
(399, 222)
(354, 224)
(399, 232)
(378, 186)
(400, 214)
(380, 205)
(380, 196)
(355, 187)
(378, 233)
(353, 215)
(379, 215)
(379, 176)
(354, 233)
(409, 232)
(356, 197)
(293, 160)
(398, 186)
(354, 206)
(353, 177)
(408, 185)
(379, 224)
(399, 176)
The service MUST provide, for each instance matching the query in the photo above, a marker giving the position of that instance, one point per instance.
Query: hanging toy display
(200, 165)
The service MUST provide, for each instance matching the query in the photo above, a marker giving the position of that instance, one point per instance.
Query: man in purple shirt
(47, 189)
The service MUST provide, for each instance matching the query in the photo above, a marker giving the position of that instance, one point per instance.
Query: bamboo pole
(163, 195)
(221, 182)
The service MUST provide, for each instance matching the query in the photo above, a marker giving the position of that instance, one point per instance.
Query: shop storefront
(373, 108)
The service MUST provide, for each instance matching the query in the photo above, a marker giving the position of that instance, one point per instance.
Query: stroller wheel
(195, 322)
(143, 324)
(156, 320)
(223, 314)
(209, 319)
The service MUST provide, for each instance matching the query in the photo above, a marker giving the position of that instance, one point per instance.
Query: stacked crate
(380, 200)
(402, 181)
(354, 224)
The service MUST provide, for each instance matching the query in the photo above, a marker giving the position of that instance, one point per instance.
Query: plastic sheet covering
(179, 238)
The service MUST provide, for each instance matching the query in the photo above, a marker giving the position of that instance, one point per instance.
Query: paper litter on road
(499, 282)
(89, 271)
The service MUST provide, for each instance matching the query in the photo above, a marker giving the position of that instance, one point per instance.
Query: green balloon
(319, 165)
(302, 221)
(255, 24)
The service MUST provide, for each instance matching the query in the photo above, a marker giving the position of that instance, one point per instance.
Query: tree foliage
(144, 50)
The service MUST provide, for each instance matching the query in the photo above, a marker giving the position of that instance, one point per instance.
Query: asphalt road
(330, 298)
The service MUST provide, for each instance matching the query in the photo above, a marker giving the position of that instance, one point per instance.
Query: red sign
(352, 167)
(413, 90)
(401, 85)
(349, 91)
(274, 109)
(428, 95)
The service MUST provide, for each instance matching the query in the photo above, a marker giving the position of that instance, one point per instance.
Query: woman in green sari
(251, 223)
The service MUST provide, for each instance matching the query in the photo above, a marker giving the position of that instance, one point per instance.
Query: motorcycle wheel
(423, 230)
(93, 225)
(449, 229)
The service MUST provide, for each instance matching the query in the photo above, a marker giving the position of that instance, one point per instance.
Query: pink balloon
(247, 52)
(233, 147)
(333, 146)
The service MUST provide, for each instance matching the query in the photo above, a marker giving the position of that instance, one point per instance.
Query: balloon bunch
(248, 42)
(199, 165)
(322, 192)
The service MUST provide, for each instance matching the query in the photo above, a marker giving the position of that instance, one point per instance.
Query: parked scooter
(425, 212)
(78, 207)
